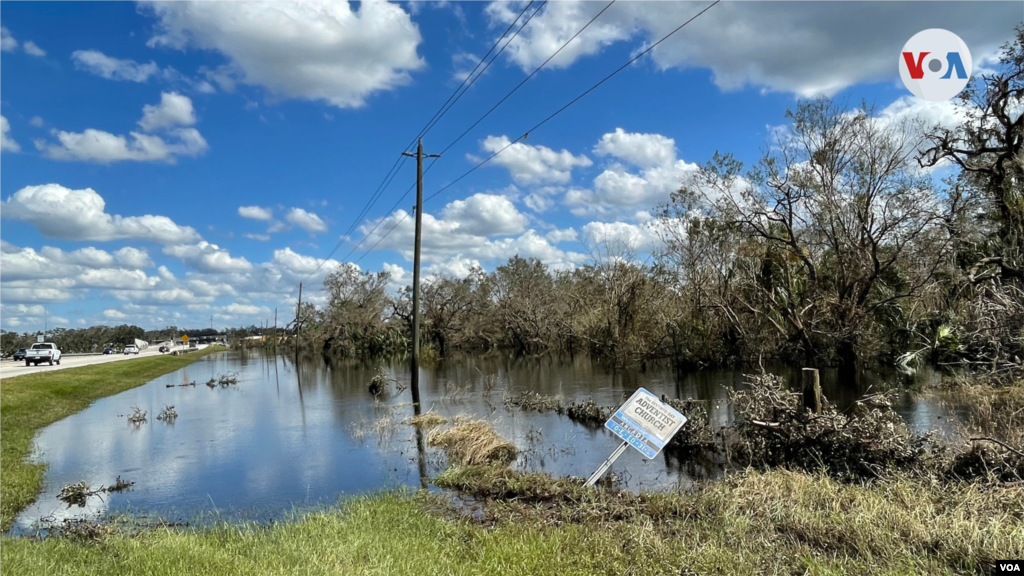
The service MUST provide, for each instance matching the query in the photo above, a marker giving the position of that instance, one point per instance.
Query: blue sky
(167, 162)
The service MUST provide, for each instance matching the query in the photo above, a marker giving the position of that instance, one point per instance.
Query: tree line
(839, 244)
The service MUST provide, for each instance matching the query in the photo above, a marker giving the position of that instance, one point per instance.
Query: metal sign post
(643, 422)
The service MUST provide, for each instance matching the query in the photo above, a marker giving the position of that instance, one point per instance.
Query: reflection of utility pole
(416, 271)
(420, 452)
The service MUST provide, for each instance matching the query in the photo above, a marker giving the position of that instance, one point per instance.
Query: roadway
(9, 368)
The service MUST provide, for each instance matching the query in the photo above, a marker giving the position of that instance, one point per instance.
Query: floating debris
(212, 382)
(168, 414)
(78, 494)
(427, 420)
(695, 433)
(774, 429)
(137, 417)
(81, 529)
(472, 442)
(585, 412)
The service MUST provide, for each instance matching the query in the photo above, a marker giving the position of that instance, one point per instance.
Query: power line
(513, 91)
(393, 171)
(574, 100)
(546, 120)
(477, 122)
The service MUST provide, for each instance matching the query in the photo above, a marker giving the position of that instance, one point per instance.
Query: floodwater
(291, 436)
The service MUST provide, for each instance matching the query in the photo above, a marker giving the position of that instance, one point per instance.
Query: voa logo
(935, 65)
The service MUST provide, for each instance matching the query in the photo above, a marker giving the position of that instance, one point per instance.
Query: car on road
(165, 349)
(109, 351)
(20, 355)
(131, 349)
(42, 352)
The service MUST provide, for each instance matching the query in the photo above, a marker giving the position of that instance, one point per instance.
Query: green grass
(773, 523)
(32, 401)
(776, 522)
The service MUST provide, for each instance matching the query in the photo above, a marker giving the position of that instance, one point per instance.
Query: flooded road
(296, 435)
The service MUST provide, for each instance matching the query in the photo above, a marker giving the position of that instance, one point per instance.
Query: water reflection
(287, 435)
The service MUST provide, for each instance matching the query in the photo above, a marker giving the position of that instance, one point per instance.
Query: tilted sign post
(643, 422)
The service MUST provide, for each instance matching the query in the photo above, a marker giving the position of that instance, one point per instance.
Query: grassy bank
(30, 402)
(774, 523)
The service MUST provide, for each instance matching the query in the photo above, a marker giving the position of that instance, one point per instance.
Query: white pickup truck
(42, 352)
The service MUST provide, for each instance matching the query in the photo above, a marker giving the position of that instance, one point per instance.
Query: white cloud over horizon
(315, 50)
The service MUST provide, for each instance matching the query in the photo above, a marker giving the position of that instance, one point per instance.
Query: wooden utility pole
(416, 271)
(812, 390)
(298, 313)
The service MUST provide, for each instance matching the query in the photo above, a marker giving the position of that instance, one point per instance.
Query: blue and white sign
(645, 423)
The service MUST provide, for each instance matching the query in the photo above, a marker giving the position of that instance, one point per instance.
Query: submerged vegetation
(27, 403)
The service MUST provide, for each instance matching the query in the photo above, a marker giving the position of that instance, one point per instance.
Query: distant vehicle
(109, 351)
(42, 352)
(131, 349)
(164, 349)
(20, 355)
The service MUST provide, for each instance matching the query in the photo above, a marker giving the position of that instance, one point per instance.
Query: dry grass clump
(994, 425)
(532, 401)
(473, 442)
(383, 428)
(429, 419)
(774, 429)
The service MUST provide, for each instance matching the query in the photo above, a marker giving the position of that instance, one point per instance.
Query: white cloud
(103, 147)
(133, 257)
(455, 267)
(32, 49)
(116, 279)
(7, 144)
(259, 237)
(255, 212)
(485, 215)
(94, 145)
(308, 221)
(313, 50)
(643, 150)
(236, 309)
(444, 239)
(567, 235)
(60, 212)
(207, 257)
(620, 236)
(617, 190)
(173, 110)
(114, 314)
(803, 48)
(538, 202)
(89, 257)
(98, 63)
(534, 164)
(300, 264)
(37, 122)
(7, 42)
